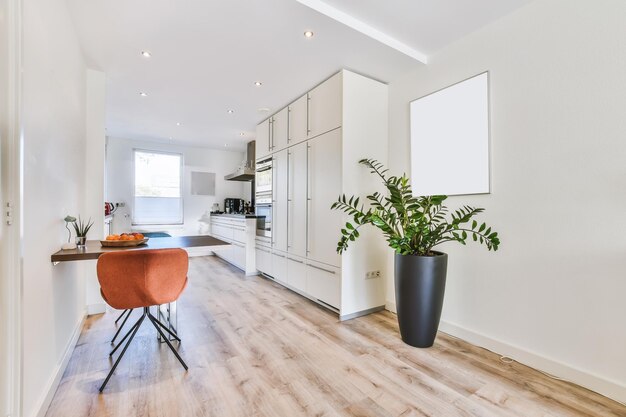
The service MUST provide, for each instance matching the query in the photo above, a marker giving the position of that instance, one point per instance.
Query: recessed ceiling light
(308, 34)
(177, 123)
(258, 83)
(231, 111)
(242, 134)
(142, 94)
(263, 109)
(146, 54)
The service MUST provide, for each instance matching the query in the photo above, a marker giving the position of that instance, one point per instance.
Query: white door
(279, 217)
(280, 130)
(298, 120)
(325, 102)
(263, 139)
(324, 186)
(297, 199)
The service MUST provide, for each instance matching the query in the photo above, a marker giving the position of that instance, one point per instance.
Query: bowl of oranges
(124, 240)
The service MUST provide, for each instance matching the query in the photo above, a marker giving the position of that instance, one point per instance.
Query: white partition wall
(450, 139)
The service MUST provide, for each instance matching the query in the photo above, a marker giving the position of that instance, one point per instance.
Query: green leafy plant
(411, 225)
(81, 227)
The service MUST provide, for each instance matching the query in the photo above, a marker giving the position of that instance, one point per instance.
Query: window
(158, 188)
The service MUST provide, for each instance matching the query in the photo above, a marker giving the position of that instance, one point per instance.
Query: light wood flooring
(256, 349)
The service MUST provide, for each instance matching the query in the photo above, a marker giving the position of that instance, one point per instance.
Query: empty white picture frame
(450, 139)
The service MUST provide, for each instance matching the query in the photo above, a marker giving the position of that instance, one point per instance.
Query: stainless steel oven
(263, 197)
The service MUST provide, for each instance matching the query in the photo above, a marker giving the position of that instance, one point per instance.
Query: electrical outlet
(120, 204)
(372, 274)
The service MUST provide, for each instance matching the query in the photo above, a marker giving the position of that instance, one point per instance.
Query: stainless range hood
(246, 171)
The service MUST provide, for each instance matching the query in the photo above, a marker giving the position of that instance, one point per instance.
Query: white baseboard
(97, 308)
(601, 385)
(589, 380)
(55, 379)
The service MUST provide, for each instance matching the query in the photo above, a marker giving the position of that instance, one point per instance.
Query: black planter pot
(420, 286)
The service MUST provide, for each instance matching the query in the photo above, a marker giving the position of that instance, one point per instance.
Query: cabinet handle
(322, 269)
(271, 135)
(295, 260)
(238, 244)
(308, 125)
(262, 250)
(308, 174)
(288, 124)
(280, 256)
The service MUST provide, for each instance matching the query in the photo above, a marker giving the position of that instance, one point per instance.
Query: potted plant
(81, 228)
(413, 226)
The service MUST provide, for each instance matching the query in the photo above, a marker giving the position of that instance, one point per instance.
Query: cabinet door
(324, 283)
(297, 200)
(279, 217)
(263, 260)
(279, 267)
(296, 273)
(263, 139)
(280, 130)
(324, 186)
(325, 103)
(298, 120)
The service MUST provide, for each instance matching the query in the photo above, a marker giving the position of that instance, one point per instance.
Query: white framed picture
(450, 139)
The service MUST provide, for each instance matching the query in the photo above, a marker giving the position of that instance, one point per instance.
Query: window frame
(133, 221)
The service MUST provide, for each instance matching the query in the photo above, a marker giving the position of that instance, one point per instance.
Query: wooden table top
(93, 248)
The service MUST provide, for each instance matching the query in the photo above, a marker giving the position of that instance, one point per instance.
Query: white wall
(553, 295)
(119, 182)
(53, 182)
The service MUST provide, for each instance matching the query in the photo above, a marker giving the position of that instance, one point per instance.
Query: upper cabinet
(324, 108)
(263, 139)
(280, 130)
(317, 112)
(298, 120)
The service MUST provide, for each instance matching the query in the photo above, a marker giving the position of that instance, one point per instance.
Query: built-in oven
(263, 197)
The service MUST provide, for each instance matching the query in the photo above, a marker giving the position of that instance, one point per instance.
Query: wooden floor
(257, 349)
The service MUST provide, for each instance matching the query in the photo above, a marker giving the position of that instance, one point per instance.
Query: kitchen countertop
(238, 216)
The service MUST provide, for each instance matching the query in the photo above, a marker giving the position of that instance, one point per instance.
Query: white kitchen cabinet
(279, 266)
(296, 273)
(239, 232)
(264, 259)
(298, 120)
(280, 203)
(324, 186)
(325, 101)
(263, 139)
(280, 130)
(323, 282)
(330, 128)
(297, 200)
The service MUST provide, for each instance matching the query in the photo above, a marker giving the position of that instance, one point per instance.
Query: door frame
(11, 192)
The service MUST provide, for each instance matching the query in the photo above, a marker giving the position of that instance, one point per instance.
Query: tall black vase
(420, 286)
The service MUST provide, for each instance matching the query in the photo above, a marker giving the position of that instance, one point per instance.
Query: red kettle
(108, 208)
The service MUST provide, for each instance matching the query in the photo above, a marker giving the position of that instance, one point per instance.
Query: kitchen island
(239, 230)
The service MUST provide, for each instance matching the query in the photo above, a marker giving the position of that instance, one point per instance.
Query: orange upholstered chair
(140, 279)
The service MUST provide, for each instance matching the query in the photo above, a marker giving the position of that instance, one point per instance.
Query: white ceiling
(207, 54)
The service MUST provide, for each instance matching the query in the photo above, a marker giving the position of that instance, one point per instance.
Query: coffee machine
(234, 206)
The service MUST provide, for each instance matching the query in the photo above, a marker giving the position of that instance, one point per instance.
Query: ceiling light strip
(364, 28)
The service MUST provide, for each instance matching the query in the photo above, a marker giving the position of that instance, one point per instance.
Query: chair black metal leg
(123, 351)
(126, 336)
(174, 335)
(182, 362)
(122, 325)
(121, 315)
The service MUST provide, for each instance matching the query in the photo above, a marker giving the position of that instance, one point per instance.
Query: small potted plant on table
(413, 226)
(81, 228)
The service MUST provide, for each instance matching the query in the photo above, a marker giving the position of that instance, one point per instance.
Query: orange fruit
(113, 237)
(126, 237)
(138, 236)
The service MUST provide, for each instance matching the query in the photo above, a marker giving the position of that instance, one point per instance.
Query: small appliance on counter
(109, 208)
(234, 206)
